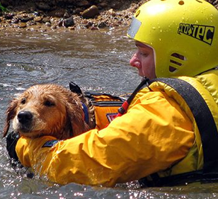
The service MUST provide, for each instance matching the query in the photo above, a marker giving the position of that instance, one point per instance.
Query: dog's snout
(25, 117)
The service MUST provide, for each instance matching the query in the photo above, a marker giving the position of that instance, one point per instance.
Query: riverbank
(68, 15)
(43, 17)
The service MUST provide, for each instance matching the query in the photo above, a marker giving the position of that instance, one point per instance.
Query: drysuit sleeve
(153, 135)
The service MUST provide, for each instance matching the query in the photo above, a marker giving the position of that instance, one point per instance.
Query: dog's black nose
(25, 117)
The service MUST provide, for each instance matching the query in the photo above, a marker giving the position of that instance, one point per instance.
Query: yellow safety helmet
(183, 34)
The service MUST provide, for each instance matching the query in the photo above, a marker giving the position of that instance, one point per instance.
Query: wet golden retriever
(49, 109)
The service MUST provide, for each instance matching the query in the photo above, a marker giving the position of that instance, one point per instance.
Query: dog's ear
(75, 88)
(76, 116)
(10, 114)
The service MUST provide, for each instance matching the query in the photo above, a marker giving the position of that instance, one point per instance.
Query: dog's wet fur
(49, 109)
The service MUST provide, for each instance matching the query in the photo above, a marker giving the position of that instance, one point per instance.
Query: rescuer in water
(166, 132)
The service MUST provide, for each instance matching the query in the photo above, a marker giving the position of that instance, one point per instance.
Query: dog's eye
(49, 103)
(23, 101)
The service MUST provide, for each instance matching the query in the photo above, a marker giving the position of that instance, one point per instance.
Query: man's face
(143, 60)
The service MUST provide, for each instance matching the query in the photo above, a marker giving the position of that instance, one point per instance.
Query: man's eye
(144, 54)
(49, 103)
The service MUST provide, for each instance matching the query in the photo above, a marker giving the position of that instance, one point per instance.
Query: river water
(95, 60)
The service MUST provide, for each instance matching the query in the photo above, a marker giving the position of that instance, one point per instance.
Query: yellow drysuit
(157, 134)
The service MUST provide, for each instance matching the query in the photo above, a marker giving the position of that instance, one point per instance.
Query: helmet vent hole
(176, 61)
(137, 13)
(172, 69)
(199, 1)
(181, 3)
(179, 56)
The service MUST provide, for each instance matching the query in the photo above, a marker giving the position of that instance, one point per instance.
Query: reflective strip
(111, 116)
(134, 27)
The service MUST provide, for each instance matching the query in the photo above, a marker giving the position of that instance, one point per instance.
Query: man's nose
(134, 61)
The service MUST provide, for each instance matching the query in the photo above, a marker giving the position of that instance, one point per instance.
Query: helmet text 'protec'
(200, 32)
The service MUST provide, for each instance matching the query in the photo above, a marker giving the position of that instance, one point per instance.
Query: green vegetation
(2, 8)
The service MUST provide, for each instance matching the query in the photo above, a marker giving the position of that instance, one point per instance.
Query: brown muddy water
(94, 60)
